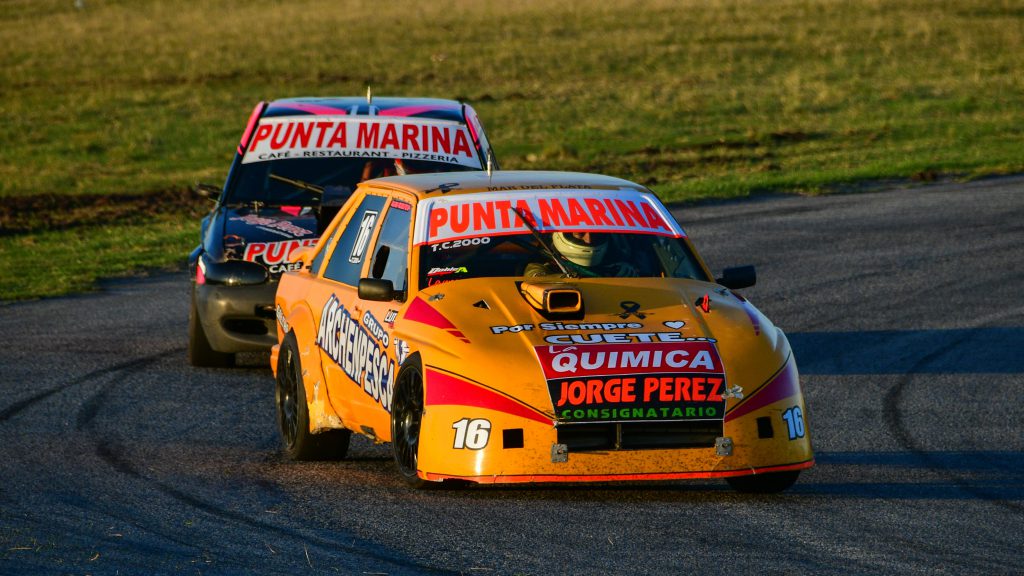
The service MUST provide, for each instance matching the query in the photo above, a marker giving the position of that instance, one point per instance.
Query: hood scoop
(555, 299)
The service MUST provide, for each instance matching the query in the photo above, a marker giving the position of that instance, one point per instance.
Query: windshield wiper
(300, 184)
(546, 249)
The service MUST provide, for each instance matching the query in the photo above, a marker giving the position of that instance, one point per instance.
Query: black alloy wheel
(293, 413)
(406, 419)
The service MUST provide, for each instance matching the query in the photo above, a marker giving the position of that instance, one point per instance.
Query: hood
(267, 236)
(640, 328)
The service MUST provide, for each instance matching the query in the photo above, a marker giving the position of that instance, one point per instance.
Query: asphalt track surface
(906, 312)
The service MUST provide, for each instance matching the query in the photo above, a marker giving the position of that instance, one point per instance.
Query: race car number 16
(472, 433)
(794, 418)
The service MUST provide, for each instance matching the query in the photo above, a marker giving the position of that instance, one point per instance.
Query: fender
(322, 415)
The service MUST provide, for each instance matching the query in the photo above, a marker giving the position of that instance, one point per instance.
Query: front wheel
(293, 412)
(770, 483)
(406, 420)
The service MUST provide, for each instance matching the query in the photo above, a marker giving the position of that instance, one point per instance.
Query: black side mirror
(738, 277)
(208, 191)
(375, 289)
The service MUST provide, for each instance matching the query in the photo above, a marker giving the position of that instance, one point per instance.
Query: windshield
(624, 255)
(531, 231)
(304, 181)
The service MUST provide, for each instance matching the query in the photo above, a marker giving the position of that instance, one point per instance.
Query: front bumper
(532, 457)
(238, 318)
(482, 437)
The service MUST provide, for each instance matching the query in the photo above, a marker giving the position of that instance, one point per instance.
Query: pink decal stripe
(445, 389)
(309, 108)
(784, 384)
(414, 110)
(253, 119)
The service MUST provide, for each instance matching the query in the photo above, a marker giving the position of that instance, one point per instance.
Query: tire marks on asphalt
(894, 418)
(138, 363)
(113, 452)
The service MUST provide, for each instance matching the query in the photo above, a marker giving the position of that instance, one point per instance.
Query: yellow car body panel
(653, 378)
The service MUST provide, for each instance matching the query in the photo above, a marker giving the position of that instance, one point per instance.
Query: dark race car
(298, 161)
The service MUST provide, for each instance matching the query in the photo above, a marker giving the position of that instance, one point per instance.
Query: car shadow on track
(945, 475)
(952, 351)
(991, 353)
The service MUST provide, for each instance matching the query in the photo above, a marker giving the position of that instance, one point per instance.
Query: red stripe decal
(420, 311)
(785, 384)
(753, 317)
(524, 478)
(444, 389)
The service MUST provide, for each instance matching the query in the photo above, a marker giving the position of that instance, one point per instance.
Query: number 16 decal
(472, 434)
(794, 418)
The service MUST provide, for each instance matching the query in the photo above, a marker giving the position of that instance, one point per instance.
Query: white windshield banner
(624, 210)
(375, 137)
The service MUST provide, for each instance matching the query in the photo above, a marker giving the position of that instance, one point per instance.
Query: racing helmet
(578, 251)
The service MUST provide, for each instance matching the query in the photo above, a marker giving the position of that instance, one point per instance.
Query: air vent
(512, 438)
(639, 435)
(553, 298)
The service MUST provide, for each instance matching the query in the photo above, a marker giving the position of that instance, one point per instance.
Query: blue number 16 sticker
(794, 418)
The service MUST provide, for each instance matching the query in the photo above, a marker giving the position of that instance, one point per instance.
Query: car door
(353, 335)
(388, 259)
(332, 297)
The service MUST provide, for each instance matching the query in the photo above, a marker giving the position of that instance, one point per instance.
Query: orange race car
(531, 327)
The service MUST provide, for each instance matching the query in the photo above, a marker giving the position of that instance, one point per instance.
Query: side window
(347, 260)
(391, 254)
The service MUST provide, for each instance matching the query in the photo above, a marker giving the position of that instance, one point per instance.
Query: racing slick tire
(200, 354)
(406, 419)
(770, 483)
(293, 412)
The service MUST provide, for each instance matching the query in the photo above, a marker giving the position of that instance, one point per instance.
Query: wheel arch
(299, 320)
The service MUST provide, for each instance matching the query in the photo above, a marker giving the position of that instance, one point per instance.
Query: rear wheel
(769, 483)
(293, 412)
(406, 420)
(200, 353)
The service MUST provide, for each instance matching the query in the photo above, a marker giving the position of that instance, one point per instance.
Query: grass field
(693, 98)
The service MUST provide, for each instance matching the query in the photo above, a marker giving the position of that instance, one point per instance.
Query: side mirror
(375, 289)
(208, 191)
(738, 277)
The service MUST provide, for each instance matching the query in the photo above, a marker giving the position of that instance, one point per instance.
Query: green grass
(71, 261)
(694, 98)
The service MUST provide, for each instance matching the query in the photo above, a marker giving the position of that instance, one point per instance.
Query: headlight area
(230, 272)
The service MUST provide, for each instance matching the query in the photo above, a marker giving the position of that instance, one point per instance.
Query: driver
(582, 253)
